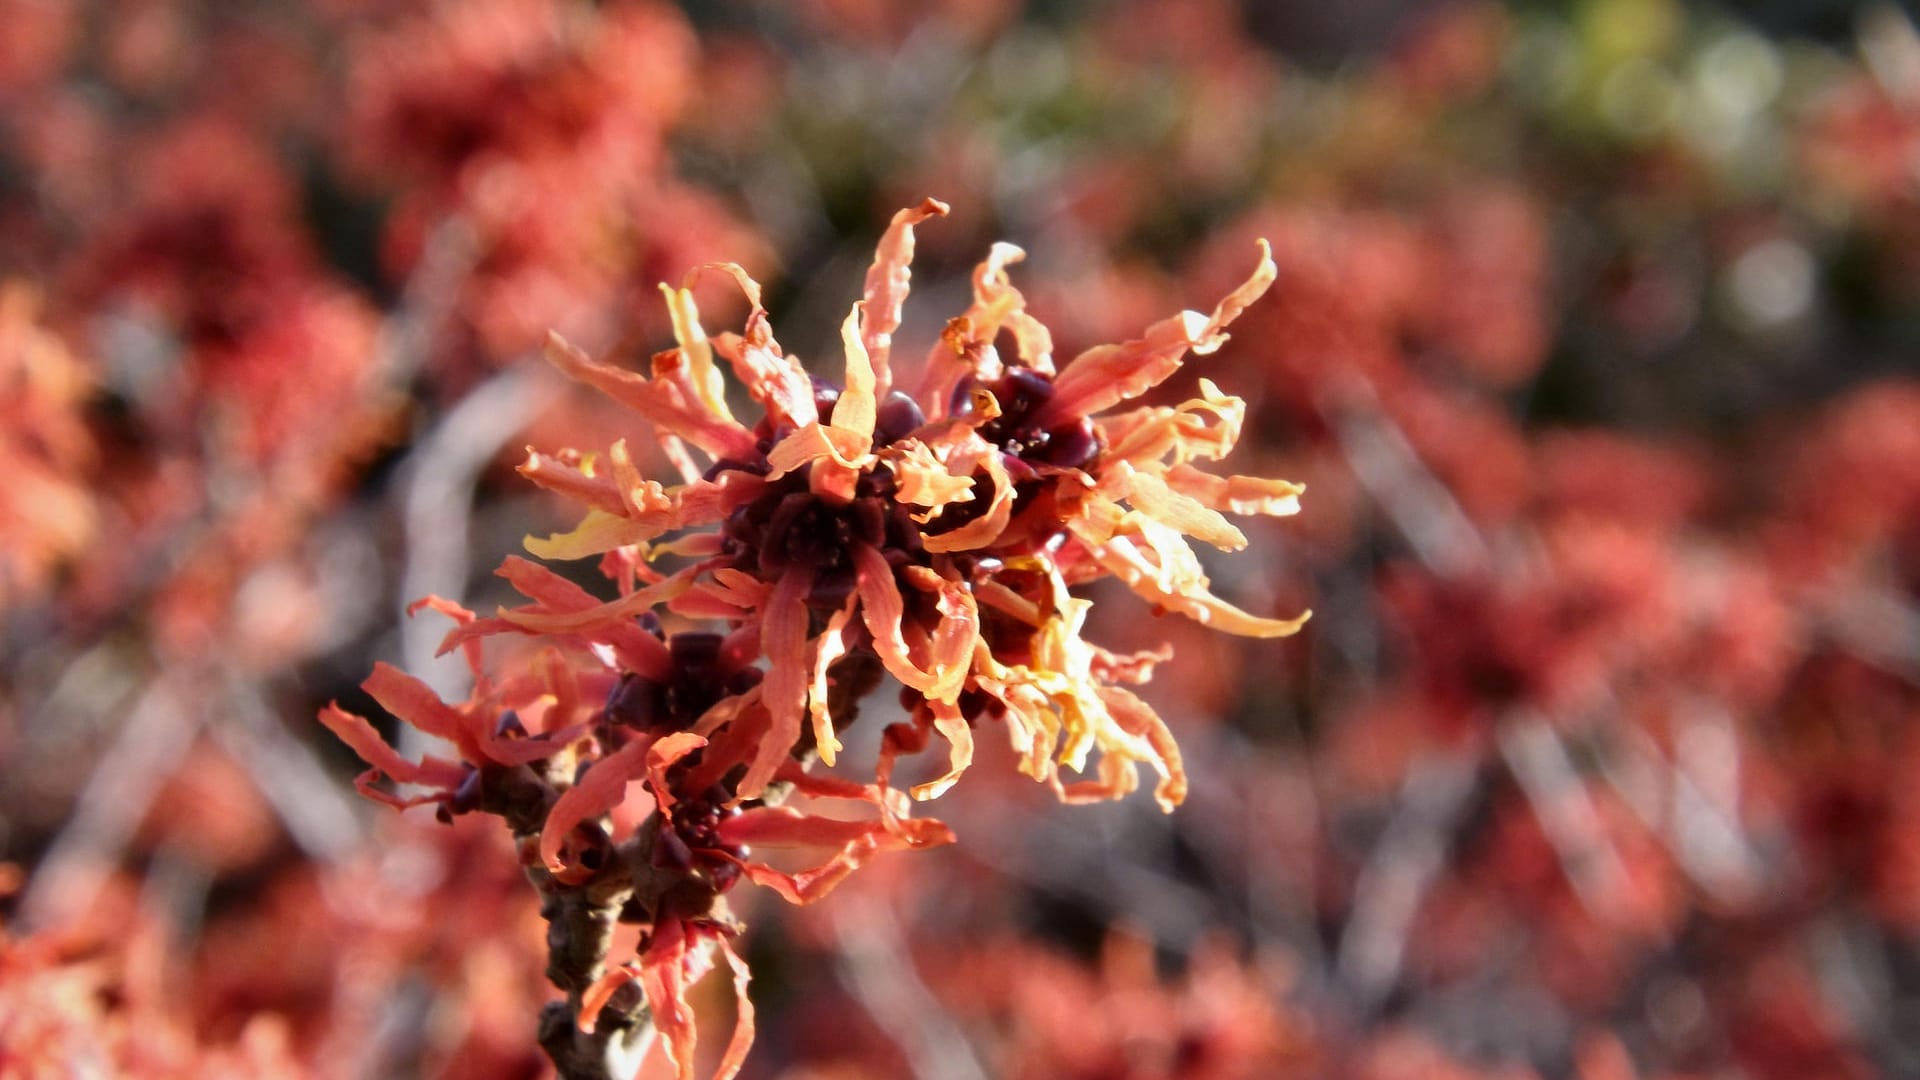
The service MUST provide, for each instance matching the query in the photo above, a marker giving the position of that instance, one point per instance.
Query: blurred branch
(437, 508)
(158, 731)
(1403, 865)
(876, 967)
(1539, 761)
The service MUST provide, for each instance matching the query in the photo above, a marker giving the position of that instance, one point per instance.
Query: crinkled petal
(1150, 495)
(664, 754)
(696, 351)
(986, 528)
(952, 726)
(360, 736)
(829, 647)
(857, 842)
(775, 380)
(1177, 584)
(859, 400)
(888, 281)
(1237, 494)
(663, 977)
(572, 481)
(783, 634)
(658, 401)
(743, 1023)
(1101, 377)
(882, 608)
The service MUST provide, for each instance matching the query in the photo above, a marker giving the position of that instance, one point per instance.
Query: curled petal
(921, 478)
(986, 528)
(817, 442)
(1133, 668)
(881, 608)
(1177, 584)
(951, 645)
(600, 531)
(469, 648)
(415, 703)
(601, 992)
(831, 646)
(1136, 717)
(663, 977)
(604, 616)
(952, 726)
(1103, 376)
(602, 788)
(887, 284)
(663, 755)
(775, 380)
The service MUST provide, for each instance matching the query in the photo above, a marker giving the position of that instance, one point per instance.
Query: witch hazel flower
(854, 530)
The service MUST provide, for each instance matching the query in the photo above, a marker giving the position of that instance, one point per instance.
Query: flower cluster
(854, 529)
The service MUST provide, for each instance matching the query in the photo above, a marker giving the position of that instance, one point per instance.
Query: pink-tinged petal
(709, 501)
(734, 727)
(611, 614)
(881, 608)
(829, 647)
(888, 281)
(602, 788)
(663, 977)
(743, 1024)
(1237, 494)
(469, 648)
(730, 594)
(414, 702)
(601, 992)
(786, 827)
(467, 636)
(1136, 668)
(709, 388)
(986, 528)
(1150, 495)
(859, 401)
(364, 741)
(675, 449)
(1136, 717)
(783, 634)
(664, 755)
(773, 379)
(778, 827)
(952, 726)
(575, 483)
(1106, 375)
(658, 401)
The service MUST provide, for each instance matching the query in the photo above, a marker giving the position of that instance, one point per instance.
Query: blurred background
(1594, 341)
